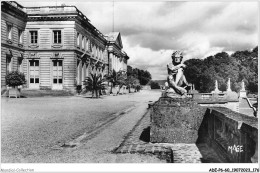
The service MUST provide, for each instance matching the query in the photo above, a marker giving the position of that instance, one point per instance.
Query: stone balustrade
(52, 9)
(16, 5)
(208, 96)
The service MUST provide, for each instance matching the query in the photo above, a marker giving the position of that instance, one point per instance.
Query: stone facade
(117, 57)
(13, 23)
(67, 47)
(59, 47)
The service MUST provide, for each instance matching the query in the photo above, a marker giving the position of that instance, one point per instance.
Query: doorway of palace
(57, 75)
(34, 74)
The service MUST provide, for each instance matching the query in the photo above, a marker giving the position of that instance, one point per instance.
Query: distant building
(56, 47)
(117, 57)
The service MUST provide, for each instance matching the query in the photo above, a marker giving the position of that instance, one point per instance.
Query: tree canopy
(241, 65)
(143, 76)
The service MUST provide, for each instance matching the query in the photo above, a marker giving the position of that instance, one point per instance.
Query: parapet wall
(175, 120)
(233, 135)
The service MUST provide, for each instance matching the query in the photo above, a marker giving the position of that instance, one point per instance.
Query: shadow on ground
(145, 135)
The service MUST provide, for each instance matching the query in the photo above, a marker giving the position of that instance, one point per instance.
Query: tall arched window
(87, 44)
(83, 42)
(78, 39)
(97, 52)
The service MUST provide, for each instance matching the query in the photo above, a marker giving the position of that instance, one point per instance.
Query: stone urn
(14, 81)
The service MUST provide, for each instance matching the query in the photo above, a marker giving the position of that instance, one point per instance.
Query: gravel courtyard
(31, 128)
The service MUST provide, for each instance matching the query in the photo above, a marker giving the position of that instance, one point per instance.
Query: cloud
(151, 30)
(200, 29)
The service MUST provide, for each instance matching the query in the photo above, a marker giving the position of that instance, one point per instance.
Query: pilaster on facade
(56, 46)
(117, 57)
(13, 21)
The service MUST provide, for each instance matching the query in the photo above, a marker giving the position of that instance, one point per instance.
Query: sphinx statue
(176, 81)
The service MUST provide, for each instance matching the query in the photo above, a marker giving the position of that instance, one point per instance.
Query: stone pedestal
(175, 120)
(242, 94)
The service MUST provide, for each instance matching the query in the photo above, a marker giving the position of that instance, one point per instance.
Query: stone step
(163, 152)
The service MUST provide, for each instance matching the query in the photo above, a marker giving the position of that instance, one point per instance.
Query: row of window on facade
(34, 72)
(34, 75)
(57, 72)
(85, 45)
(88, 46)
(10, 34)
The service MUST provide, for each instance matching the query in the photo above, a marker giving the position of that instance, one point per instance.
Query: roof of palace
(62, 13)
(115, 37)
(14, 8)
(112, 36)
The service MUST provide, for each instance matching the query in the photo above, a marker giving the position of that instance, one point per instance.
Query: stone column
(83, 72)
(121, 64)
(79, 73)
(112, 67)
(116, 63)
(110, 62)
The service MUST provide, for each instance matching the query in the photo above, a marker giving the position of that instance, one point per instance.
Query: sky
(151, 30)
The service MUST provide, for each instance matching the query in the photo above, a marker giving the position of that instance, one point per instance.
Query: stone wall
(175, 120)
(232, 135)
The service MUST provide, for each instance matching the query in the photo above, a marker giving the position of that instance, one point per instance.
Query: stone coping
(249, 120)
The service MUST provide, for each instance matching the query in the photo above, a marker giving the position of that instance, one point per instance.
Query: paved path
(114, 129)
(72, 129)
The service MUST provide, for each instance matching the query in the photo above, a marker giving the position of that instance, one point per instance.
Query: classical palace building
(13, 23)
(56, 47)
(117, 57)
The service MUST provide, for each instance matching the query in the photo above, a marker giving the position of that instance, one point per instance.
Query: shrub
(138, 88)
(15, 78)
(155, 85)
(95, 84)
(78, 88)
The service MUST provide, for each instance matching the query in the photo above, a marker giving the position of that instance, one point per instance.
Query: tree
(193, 71)
(138, 88)
(144, 77)
(154, 85)
(116, 78)
(121, 79)
(111, 78)
(241, 65)
(94, 83)
(129, 70)
(131, 82)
